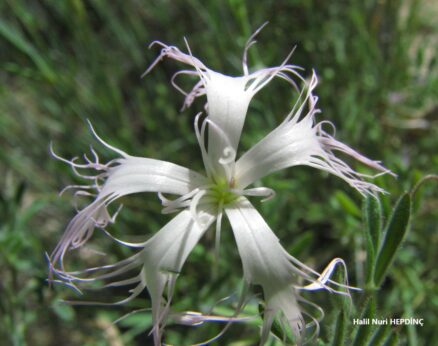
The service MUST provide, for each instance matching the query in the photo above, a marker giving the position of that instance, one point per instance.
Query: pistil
(222, 193)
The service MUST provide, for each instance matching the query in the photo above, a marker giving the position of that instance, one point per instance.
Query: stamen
(257, 191)
(200, 135)
(227, 160)
(193, 208)
(228, 156)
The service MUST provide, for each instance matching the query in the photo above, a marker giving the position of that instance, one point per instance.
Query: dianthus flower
(224, 190)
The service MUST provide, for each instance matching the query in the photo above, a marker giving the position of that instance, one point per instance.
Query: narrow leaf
(347, 203)
(381, 335)
(372, 215)
(364, 331)
(303, 242)
(395, 231)
(392, 340)
(339, 334)
(373, 219)
(371, 259)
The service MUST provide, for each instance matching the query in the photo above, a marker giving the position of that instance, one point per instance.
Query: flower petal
(228, 98)
(227, 102)
(282, 304)
(298, 141)
(265, 263)
(138, 174)
(164, 255)
(161, 260)
(123, 176)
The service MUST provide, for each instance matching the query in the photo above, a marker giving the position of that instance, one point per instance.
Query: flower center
(221, 192)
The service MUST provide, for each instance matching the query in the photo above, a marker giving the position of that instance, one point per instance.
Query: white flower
(204, 199)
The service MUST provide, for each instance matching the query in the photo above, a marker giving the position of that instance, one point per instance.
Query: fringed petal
(164, 255)
(283, 305)
(265, 263)
(228, 97)
(161, 260)
(299, 141)
(121, 177)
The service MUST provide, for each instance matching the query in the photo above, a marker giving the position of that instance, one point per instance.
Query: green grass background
(62, 62)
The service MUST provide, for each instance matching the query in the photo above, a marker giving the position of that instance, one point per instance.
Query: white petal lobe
(228, 98)
(265, 263)
(136, 174)
(129, 175)
(164, 255)
(227, 102)
(298, 140)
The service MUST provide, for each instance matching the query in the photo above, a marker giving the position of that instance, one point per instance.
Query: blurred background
(63, 62)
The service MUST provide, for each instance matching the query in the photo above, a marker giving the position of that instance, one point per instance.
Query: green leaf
(372, 215)
(395, 231)
(370, 260)
(303, 242)
(347, 204)
(282, 332)
(392, 340)
(373, 219)
(340, 301)
(380, 335)
(339, 334)
(365, 331)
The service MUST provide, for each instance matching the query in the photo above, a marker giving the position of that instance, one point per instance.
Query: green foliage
(395, 232)
(62, 62)
(364, 332)
(339, 334)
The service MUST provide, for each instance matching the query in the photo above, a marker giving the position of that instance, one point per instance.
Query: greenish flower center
(221, 193)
